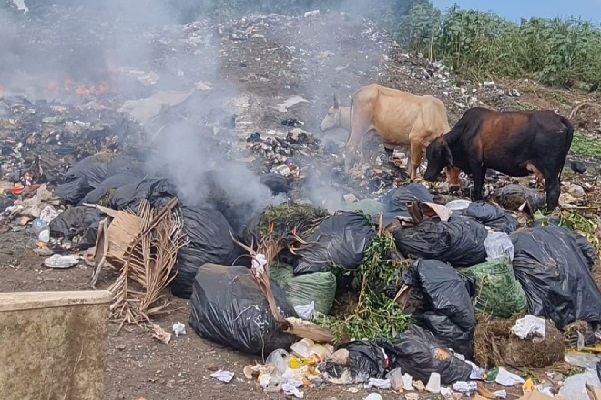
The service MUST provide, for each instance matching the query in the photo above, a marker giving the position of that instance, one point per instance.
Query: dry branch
(144, 250)
(270, 248)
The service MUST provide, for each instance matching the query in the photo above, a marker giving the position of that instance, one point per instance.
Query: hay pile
(286, 222)
(495, 345)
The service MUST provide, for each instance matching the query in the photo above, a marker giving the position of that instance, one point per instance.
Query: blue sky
(515, 9)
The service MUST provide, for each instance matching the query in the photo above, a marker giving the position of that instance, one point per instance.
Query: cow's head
(332, 118)
(439, 156)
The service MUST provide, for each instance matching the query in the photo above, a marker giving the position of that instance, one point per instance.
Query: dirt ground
(290, 58)
(139, 366)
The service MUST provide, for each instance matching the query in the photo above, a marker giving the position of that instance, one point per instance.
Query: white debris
(59, 262)
(529, 326)
(223, 376)
(506, 378)
(378, 383)
(179, 329)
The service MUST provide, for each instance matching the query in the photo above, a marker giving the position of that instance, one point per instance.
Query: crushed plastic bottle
(41, 230)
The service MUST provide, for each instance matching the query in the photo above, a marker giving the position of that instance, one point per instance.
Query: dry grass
(495, 345)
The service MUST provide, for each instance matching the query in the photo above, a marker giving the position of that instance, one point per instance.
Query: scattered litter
(467, 388)
(529, 326)
(292, 101)
(373, 396)
(433, 385)
(179, 329)
(507, 378)
(378, 383)
(60, 262)
(223, 376)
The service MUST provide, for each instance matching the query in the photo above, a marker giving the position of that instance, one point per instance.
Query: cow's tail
(569, 132)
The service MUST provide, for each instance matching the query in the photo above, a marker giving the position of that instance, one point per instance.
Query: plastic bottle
(42, 230)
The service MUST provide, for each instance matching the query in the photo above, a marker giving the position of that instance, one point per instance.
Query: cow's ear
(336, 104)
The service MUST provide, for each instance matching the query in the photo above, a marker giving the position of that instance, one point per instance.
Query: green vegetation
(482, 45)
(477, 45)
(583, 145)
(377, 315)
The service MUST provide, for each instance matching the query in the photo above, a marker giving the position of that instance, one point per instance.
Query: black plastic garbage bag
(512, 197)
(340, 240)
(93, 168)
(366, 360)
(158, 192)
(81, 222)
(556, 276)
(210, 241)
(73, 191)
(396, 200)
(449, 313)
(459, 241)
(276, 183)
(588, 250)
(419, 354)
(109, 184)
(90, 172)
(228, 307)
(491, 216)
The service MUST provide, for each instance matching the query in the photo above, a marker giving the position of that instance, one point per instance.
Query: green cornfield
(482, 45)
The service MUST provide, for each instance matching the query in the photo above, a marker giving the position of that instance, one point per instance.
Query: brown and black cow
(513, 143)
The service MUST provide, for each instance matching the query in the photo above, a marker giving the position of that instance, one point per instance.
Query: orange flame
(81, 90)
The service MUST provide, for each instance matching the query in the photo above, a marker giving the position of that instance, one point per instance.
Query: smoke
(133, 41)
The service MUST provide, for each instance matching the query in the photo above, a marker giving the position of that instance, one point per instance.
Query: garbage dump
(459, 241)
(209, 242)
(339, 240)
(317, 288)
(448, 311)
(498, 292)
(556, 275)
(228, 307)
(535, 343)
(491, 216)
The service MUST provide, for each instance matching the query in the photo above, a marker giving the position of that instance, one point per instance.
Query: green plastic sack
(498, 292)
(301, 290)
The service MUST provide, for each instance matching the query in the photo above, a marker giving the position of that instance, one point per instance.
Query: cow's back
(434, 113)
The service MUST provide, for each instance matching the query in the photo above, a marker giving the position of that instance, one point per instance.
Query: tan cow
(337, 117)
(402, 120)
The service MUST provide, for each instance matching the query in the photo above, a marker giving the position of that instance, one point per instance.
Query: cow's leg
(552, 189)
(359, 129)
(538, 175)
(417, 152)
(389, 153)
(452, 174)
(478, 173)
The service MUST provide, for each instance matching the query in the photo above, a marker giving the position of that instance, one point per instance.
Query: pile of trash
(440, 291)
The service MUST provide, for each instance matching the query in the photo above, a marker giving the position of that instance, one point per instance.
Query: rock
(576, 191)
(349, 198)
(282, 170)
(120, 347)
